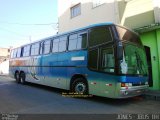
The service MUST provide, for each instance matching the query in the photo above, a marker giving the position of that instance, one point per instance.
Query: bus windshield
(134, 58)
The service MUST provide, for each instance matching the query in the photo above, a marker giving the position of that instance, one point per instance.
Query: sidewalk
(152, 94)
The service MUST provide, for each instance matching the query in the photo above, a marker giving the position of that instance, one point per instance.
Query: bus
(102, 59)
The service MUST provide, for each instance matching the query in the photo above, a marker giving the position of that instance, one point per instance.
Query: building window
(75, 10)
(97, 3)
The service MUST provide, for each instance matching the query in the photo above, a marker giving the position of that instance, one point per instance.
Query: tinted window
(99, 36)
(93, 59)
(82, 40)
(26, 50)
(125, 34)
(47, 46)
(35, 49)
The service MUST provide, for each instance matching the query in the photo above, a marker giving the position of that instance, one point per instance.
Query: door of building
(149, 62)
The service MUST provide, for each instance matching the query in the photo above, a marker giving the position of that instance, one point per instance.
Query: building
(143, 16)
(4, 62)
(4, 54)
(78, 13)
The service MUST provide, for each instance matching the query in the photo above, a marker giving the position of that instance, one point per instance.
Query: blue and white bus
(102, 59)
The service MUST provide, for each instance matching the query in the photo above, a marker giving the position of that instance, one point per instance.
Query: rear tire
(80, 86)
(22, 78)
(17, 77)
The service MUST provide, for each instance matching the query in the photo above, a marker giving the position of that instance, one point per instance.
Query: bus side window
(82, 41)
(62, 44)
(99, 36)
(12, 54)
(47, 46)
(35, 49)
(55, 45)
(15, 53)
(41, 48)
(93, 59)
(77, 41)
(18, 52)
(26, 51)
(73, 42)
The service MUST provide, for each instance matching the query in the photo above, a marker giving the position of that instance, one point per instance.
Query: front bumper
(132, 91)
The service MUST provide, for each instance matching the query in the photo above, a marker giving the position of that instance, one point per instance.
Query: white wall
(4, 67)
(89, 15)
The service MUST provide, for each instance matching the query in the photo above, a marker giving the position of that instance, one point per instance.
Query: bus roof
(79, 29)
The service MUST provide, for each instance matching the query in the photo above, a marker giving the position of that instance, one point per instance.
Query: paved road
(35, 99)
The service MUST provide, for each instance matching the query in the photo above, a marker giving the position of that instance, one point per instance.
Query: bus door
(107, 67)
(102, 61)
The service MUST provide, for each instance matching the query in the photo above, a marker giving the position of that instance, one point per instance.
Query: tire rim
(80, 88)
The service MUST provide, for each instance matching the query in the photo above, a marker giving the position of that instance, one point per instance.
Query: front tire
(80, 86)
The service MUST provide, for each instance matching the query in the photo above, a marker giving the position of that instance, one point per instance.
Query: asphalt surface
(36, 99)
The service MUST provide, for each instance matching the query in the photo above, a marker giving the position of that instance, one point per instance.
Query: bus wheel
(17, 77)
(80, 86)
(22, 78)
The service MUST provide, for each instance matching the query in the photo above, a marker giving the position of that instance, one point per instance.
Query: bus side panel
(101, 84)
